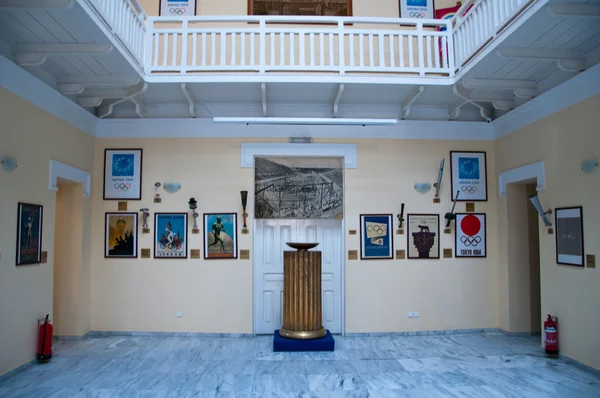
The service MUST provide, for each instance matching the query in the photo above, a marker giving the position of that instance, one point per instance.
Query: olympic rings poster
(470, 235)
(177, 8)
(417, 9)
(468, 172)
(122, 174)
(376, 242)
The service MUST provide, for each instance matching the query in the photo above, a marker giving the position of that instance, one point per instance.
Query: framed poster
(419, 9)
(470, 235)
(329, 8)
(220, 235)
(120, 235)
(29, 233)
(170, 235)
(122, 174)
(376, 240)
(177, 8)
(423, 236)
(569, 236)
(468, 171)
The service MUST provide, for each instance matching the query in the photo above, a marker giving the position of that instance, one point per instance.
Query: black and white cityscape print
(298, 188)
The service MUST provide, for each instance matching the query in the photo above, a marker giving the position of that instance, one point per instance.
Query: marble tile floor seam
(387, 366)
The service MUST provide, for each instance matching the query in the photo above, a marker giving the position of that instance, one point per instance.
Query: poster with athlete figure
(170, 235)
(220, 235)
(29, 234)
(470, 235)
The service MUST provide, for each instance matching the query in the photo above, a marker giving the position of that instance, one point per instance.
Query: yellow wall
(562, 141)
(216, 296)
(33, 137)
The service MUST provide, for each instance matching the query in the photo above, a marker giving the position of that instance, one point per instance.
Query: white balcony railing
(273, 43)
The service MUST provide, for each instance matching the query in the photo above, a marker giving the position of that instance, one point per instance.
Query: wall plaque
(244, 254)
(195, 230)
(436, 200)
(122, 206)
(447, 253)
(400, 231)
(195, 254)
(352, 254)
(591, 260)
(157, 200)
(352, 232)
(245, 231)
(400, 254)
(550, 231)
(146, 253)
(44, 258)
(447, 230)
(470, 207)
(145, 230)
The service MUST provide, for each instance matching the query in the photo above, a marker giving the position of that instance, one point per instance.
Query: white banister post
(148, 45)
(262, 42)
(341, 48)
(420, 48)
(450, 50)
(184, 46)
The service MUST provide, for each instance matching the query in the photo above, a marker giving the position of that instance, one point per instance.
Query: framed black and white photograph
(468, 176)
(423, 237)
(569, 236)
(470, 235)
(120, 235)
(376, 237)
(418, 9)
(177, 8)
(122, 174)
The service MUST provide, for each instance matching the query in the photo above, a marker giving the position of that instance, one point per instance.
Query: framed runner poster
(376, 240)
(122, 174)
(220, 235)
(177, 8)
(419, 9)
(468, 171)
(470, 235)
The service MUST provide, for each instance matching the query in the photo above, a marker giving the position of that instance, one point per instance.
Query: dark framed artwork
(170, 235)
(177, 8)
(29, 233)
(220, 236)
(418, 9)
(468, 176)
(329, 8)
(569, 236)
(123, 174)
(423, 236)
(376, 240)
(470, 233)
(120, 235)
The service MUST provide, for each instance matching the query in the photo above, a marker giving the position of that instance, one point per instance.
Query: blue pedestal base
(282, 344)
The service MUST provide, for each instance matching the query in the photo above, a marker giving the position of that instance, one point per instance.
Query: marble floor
(474, 365)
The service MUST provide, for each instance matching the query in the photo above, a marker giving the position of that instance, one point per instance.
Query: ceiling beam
(29, 59)
(132, 92)
(63, 48)
(338, 98)
(520, 88)
(89, 102)
(96, 80)
(190, 99)
(406, 109)
(263, 95)
(105, 93)
(465, 97)
(70, 89)
(28, 4)
(568, 61)
(574, 10)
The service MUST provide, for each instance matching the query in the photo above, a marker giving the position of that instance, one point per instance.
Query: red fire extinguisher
(551, 335)
(44, 351)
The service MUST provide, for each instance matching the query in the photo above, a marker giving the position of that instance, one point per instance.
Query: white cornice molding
(574, 90)
(68, 172)
(17, 80)
(528, 172)
(347, 151)
(206, 128)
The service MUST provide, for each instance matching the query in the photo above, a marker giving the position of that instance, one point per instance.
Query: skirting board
(427, 333)
(579, 365)
(520, 334)
(96, 333)
(17, 370)
(82, 337)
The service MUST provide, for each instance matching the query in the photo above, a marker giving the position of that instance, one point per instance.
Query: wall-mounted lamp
(172, 187)
(145, 214)
(244, 196)
(589, 166)
(193, 206)
(8, 164)
(422, 187)
(535, 200)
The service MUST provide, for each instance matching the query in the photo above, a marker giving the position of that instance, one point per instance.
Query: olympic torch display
(244, 196)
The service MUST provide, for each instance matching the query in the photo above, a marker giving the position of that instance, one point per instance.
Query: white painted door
(269, 244)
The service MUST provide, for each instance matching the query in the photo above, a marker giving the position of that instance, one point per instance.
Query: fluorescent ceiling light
(305, 121)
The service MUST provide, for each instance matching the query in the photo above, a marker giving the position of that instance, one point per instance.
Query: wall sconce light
(172, 187)
(422, 187)
(193, 206)
(589, 166)
(244, 196)
(145, 214)
(535, 200)
(8, 164)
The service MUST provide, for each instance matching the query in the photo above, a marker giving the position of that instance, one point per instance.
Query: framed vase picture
(468, 171)
(220, 236)
(29, 233)
(120, 235)
(177, 8)
(376, 240)
(170, 235)
(569, 236)
(423, 236)
(123, 174)
(418, 9)
(470, 235)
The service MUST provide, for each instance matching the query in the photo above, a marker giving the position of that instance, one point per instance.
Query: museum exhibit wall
(217, 295)
(562, 141)
(33, 137)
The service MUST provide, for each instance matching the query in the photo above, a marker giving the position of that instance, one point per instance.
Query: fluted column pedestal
(302, 310)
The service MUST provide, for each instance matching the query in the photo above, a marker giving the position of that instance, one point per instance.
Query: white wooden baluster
(194, 49)
(351, 62)
(262, 46)
(381, 51)
(312, 49)
(243, 54)
(282, 49)
(401, 50)
(420, 50)
(361, 48)
(301, 50)
(341, 48)
(165, 61)
(429, 62)
(156, 50)
(174, 52)
(436, 50)
(292, 50)
(184, 47)
(411, 54)
(252, 63)
(272, 63)
(444, 52)
(331, 51)
(213, 49)
(203, 48)
(321, 50)
(223, 37)
(233, 59)
(371, 51)
(392, 55)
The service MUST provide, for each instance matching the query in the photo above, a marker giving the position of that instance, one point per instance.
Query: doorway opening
(523, 259)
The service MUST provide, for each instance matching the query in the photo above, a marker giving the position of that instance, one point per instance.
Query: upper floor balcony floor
(111, 56)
